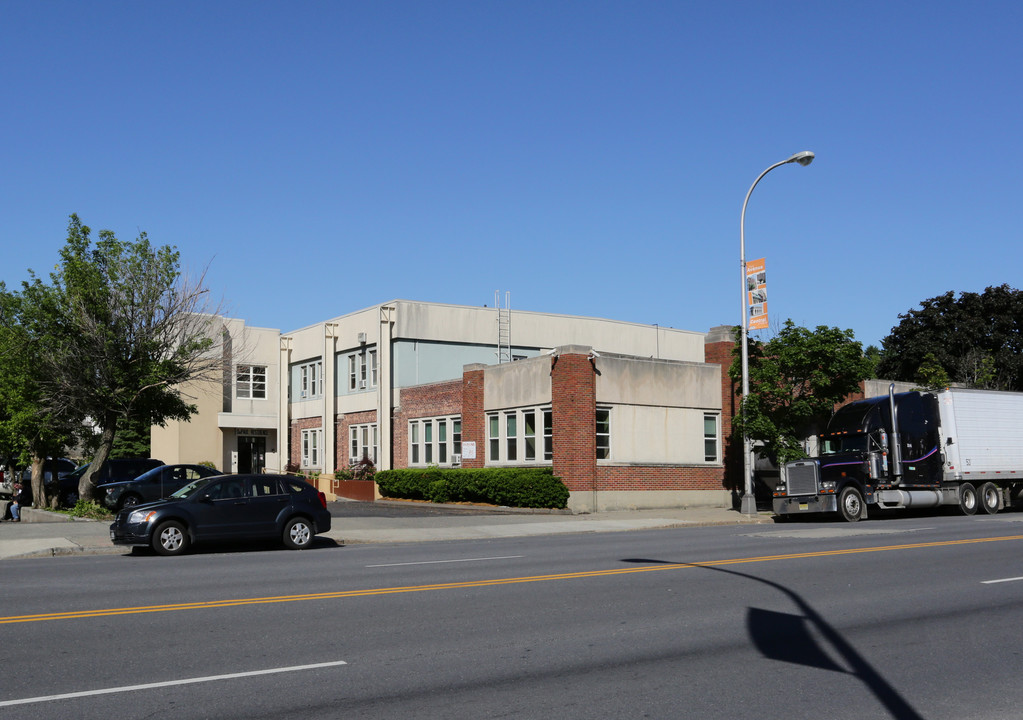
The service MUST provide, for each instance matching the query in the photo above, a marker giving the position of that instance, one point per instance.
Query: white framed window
(250, 382)
(311, 443)
(523, 435)
(363, 443)
(435, 440)
(603, 433)
(362, 370)
(310, 380)
(711, 436)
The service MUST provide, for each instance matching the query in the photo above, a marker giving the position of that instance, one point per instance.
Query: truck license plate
(804, 506)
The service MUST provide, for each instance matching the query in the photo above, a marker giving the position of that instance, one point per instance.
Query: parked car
(113, 470)
(155, 484)
(226, 507)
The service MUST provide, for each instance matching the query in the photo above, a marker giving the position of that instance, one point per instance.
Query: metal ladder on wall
(503, 326)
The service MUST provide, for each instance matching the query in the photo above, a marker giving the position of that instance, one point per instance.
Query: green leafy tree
(931, 375)
(134, 333)
(132, 439)
(796, 379)
(976, 338)
(29, 432)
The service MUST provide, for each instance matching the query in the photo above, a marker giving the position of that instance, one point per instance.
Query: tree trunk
(87, 485)
(37, 484)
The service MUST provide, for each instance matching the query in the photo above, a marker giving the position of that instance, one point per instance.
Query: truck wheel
(967, 499)
(850, 504)
(990, 498)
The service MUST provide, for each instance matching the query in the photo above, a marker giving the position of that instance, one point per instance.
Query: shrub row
(513, 487)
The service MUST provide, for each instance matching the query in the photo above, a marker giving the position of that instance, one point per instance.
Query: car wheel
(70, 498)
(298, 534)
(170, 538)
(128, 501)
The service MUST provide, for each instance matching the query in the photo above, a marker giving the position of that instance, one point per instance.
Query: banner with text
(756, 294)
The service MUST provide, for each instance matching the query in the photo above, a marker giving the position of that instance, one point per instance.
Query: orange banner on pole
(756, 294)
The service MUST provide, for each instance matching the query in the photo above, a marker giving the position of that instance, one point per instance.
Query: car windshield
(191, 488)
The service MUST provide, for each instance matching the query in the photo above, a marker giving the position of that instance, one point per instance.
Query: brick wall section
(658, 477)
(432, 400)
(573, 408)
(343, 423)
(473, 417)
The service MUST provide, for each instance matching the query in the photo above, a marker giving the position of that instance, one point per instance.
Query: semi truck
(912, 450)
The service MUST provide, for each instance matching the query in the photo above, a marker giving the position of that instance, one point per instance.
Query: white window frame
(310, 383)
(363, 442)
(513, 444)
(603, 449)
(363, 373)
(250, 382)
(312, 444)
(434, 441)
(712, 439)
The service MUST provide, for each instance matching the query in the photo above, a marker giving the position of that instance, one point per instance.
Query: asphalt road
(902, 618)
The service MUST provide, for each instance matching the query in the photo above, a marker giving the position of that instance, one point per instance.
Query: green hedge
(513, 487)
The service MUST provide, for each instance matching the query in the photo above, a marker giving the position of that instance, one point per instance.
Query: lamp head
(803, 158)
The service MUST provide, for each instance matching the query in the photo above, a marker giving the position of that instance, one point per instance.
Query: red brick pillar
(718, 347)
(473, 417)
(574, 414)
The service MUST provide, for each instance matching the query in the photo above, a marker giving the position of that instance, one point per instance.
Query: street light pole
(749, 501)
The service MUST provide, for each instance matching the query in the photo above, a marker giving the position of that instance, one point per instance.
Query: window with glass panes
(362, 443)
(434, 440)
(523, 435)
(311, 441)
(603, 433)
(250, 382)
(710, 438)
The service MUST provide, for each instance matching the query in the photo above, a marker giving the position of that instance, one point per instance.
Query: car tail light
(323, 499)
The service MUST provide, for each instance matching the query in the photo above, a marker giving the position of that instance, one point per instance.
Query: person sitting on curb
(14, 506)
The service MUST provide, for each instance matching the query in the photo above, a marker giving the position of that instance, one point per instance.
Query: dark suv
(115, 470)
(226, 507)
(152, 485)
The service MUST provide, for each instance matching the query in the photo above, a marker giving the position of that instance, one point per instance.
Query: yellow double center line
(341, 594)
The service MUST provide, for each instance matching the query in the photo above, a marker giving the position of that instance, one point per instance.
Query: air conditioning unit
(362, 384)
(362, 338)
(456, 458)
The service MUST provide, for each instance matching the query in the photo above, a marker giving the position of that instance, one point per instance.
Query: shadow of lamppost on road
(786, 637)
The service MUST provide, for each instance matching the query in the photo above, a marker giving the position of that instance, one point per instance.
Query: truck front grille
(802, 478)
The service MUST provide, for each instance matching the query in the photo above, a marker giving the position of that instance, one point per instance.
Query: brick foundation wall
(631, 478)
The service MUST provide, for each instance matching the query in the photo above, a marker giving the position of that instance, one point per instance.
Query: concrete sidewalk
(45, 534)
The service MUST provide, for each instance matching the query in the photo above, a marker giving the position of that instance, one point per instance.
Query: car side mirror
(206, 498)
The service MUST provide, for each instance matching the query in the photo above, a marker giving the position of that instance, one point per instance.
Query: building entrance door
(251, 454)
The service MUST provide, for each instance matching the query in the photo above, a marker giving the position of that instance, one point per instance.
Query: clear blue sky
(590, 157)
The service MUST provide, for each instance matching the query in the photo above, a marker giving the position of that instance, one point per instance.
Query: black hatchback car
(226, 508)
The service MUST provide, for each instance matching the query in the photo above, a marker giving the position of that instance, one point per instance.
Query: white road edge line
(992, 582)
(440, 562)
(169, 683)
